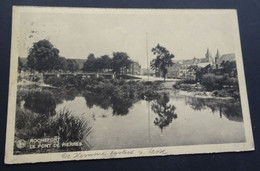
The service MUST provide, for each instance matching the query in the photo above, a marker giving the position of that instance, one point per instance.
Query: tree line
(44, 57)
(118, 64)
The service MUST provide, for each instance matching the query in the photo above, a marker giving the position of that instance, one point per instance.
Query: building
(147, 71)
(182, 68)
(226, 57)
(208, 60)
(173, 71)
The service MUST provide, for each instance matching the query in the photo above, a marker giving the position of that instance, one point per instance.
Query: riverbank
(137, 89)
(199, 90)
(24, 82)
(197, 94)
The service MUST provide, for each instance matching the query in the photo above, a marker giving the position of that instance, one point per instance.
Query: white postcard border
(10, 158)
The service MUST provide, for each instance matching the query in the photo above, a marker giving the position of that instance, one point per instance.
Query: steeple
(217, 57)
(207, 55)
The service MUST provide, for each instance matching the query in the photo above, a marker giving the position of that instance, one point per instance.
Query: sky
(185, 33)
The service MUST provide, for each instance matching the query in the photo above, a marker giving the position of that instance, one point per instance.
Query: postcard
(88, 83)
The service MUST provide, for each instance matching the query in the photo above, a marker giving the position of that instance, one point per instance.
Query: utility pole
(149, 127)
(147, 55)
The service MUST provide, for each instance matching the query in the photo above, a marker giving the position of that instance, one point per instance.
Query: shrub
(236, 94)
(68, 81)
(212, 81)
(189, 81)
(177, 85)
(72, 81)
(68, 127)
(230, 81)
(64, 124)
(150, 95)
(25, 123)
(54, 81)
(221, 93)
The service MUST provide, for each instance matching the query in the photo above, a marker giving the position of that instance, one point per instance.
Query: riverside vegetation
(221, 82)
(36, 116)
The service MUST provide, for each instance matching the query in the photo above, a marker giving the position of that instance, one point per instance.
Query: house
(147, 71)
(173, 71)
(190, 62)
(226, 57)
(183, 68)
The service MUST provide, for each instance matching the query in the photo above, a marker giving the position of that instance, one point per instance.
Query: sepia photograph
(89, 83)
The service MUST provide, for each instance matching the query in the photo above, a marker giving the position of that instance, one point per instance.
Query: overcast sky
(186, 34)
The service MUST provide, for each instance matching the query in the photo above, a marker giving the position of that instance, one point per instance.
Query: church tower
(217, 59)
(208, 55)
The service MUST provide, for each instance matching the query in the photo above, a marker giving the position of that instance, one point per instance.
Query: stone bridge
(83, 75)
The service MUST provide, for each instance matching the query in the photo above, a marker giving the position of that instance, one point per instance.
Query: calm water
(171, 120)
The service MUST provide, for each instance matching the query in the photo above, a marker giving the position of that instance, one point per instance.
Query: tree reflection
(165, 112)
(118, 102)
(98, 100)
(44, 101)
(41, 102)
(229, 108)
(64, 94)
(121, 106)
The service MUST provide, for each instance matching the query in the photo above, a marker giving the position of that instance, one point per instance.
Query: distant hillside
(79, 61)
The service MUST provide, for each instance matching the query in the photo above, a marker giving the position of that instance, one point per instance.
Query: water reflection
(98, 100)
(118, 103)
(165, 111)
(231, 109)
(65, 94)
(199, 120)
(41, 102)
(121, 105)
(44, 101)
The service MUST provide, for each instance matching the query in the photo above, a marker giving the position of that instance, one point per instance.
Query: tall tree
(43, 56)
(98, 64)
(72, 65)
(61, 64)
(163, 59)
(89, 65)
(120, 63)
(106, 61)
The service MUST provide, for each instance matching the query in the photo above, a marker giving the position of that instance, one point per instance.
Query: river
(171, 120)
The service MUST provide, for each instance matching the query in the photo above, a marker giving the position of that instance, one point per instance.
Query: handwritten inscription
(157, 151)
(113, 153)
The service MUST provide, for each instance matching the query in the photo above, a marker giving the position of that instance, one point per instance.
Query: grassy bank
(31, 125)
(217, 86)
